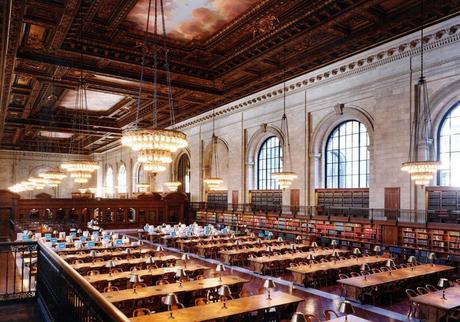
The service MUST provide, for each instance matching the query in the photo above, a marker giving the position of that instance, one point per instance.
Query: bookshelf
(342, 198)
(218, 199)
(266, 200)
(443, 198)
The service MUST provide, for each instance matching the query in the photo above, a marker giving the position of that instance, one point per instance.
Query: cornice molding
(439, 38)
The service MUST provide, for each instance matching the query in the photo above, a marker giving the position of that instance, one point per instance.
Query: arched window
(140, 178)
(449, 148)
(122, 188)
(347, 156)
(269, 159)
(183, 173)
(109, 182)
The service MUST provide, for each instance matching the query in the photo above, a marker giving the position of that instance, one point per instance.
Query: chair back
(141, 312)
(330, 314)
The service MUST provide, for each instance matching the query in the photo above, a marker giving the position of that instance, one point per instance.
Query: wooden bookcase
(266, 200)
(218, 199)
(342, 198)
(443, 198)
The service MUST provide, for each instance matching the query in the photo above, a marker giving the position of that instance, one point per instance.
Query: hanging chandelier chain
(168, 73)
(284, 121)
(155, 69)
(421, 38)
(144, 51)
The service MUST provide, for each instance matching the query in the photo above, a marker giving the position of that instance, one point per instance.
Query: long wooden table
(157, 272)
(187, 287)
(133, 261)
(299, 273)
(107, 253)
(203, 250)
(350, 318)
(354, 286)
(215, 311)
(228, 255)
(190, 244)
(260, 262)
(433, 307)
(71, 250)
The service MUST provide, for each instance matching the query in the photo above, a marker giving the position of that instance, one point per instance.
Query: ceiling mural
(191, 19)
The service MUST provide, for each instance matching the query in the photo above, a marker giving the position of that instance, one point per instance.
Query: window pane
(347, 156)
(268, 161)
(449, 148)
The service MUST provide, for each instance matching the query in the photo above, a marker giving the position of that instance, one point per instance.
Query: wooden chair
(355, 274)
(245, 293)
(375, 270)
(161, 282)
(453, 316)
(78, 261)
(199, 277)
(311, 318)
(422, 290)
(431, 288)
(141, 312)
(93, 272)
(413, 306)
(111, 288)
(330, 314)
(201, 301)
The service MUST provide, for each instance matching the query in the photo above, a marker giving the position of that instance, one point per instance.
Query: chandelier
(214, 182)
(52, 175)
(421, 168)
(80, 170)
(172, 185)
(155, 146)
(285, 178)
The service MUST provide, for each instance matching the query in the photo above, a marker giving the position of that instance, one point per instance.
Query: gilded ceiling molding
(437, 39)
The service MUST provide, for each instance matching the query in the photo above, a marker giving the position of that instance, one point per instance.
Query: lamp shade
(314, 245)
(432, 256)
(377, 249)
(365, 267)
(298, 317)
(269, 249)
(293, 246)
(335, 253)
(150, 260)
(171, 299)
(110, 264)
(224, 290)
(220, 267)
(411, 259)
(390, 263)
(443, 283)
(269, 284)
(185, 257)
(134, 278)
(298, 237)
(180, 273)
(346, 308)
(310, 256)
(334, 242)
(280, 239)
(160, 248)
(356, 251)
(127, 251)
(93, 253)
(259, 241)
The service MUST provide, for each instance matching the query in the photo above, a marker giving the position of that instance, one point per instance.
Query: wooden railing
(67, 296)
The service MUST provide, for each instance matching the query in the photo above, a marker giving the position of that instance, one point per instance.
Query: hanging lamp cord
(284, 121)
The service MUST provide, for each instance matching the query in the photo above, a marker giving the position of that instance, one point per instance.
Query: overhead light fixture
(172, 186)
(214, 181)
(285, 177)
(153, 144)
(421, 168)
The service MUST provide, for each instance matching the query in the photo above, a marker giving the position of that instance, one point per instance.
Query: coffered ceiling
(220, 50)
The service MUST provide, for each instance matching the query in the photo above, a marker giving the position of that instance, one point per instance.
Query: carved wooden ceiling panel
(220, 50)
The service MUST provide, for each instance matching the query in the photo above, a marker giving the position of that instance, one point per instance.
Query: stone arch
(223, 152)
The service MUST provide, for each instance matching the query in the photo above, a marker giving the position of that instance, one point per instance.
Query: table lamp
(365, 268)
(252, 235)
(335, 255)
(298, 238)
(150, 261)
(110, 264)
(443, 284)
(93, 253)
(180, 273)
(220, 268)
(298, 317)
(377, 250)
(269, 250)
(314, 245)
(346, 308)
(293, 247)
(232, 236)
(170, 301)
(311, 258)
(79, 231)
(185, 257)
(259, 241)
(135, 280)
(390, 264)
(280, 239)
(432, 258)
(269, 285)
(334, 243)
(128, 251)
(160, 248)
(237, 242)
(225, 292)
(412, 260)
